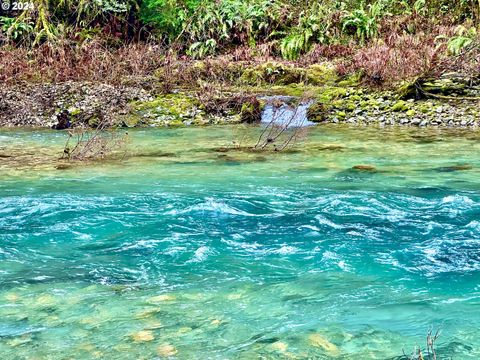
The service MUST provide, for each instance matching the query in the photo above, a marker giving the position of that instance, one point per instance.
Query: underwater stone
(166, 350)
(161, 298)
(143, 336)
(12, 297)
(319, 341)
(279, 346)
(364, 167)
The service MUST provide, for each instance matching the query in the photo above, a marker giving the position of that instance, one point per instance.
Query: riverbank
(209, 92)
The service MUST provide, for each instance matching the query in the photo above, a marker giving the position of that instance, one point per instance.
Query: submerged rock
(63, 166)
(364, 167)
(216, 322)
(143, 336)
(12, 297)
(279, 346)
(319, 341)
(147, 313)
(160, 298)
(166, 350)
(454, 168)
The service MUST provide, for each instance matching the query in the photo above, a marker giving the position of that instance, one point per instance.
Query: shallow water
(184, 251)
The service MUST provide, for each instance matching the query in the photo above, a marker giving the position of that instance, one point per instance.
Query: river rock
(12, 297)
(166, 350)
(319, 341)
(143, 336)
(160, 298)
(364, 167)
(279, 346)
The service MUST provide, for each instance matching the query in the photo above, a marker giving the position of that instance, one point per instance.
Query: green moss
(290, 90)
(93, 121)
(400, 106)
(131, 121)
(329, 94)
(321, 74)
(425, 107)
(176, 123)
(351, 81)
(338, 104)
(317, 112)
(172, 104)
(168, 109)
(251, 76)
(73, 111)
(350, 106)
(411, 112)
(341, 114)
(273, 73)
(250, 111)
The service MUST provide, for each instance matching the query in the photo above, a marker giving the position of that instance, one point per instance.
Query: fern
(463, 38)
(363, 22)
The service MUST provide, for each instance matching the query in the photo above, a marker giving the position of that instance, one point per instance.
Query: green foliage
(229, 22)
(420, 7)
(51, 19)
(201, 28)
(312, 27)
(167, 17)
(15, 29)
(463, 38)
(364, 23)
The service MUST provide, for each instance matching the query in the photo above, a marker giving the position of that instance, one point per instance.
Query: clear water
(186, 252)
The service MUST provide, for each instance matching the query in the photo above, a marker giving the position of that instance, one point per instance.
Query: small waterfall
(284, 111)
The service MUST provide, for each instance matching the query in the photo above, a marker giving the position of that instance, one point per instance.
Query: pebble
(319, 341)
(166, 350)
(279, 346)
(12, 297)
(143, 336)
(161, 298)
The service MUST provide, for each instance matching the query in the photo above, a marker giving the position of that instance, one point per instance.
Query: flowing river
(185, 250)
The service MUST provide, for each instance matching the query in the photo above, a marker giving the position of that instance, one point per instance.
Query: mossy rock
(351, 80)
(321, 74)
(251, 111)
(251, 76)
(443, 86)
(317, 112)
(350, 106)
(400, 106)
(425, 107)
(273, 73)
(329, 94)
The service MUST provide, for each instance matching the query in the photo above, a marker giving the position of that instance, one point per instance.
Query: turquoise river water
(184, 250)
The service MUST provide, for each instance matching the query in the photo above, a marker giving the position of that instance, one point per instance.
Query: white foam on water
(278, 112)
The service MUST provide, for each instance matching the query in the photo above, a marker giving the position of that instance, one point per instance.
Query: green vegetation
(381, 41)
(202, 28)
